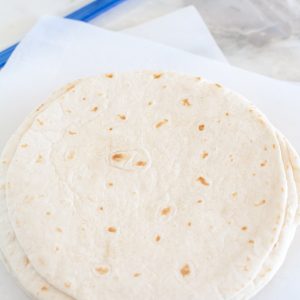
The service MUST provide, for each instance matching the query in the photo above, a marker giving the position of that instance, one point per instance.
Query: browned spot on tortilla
(118, 156)
(67, 111)
(150, 103)
(246, 269)
(227, 114)
(244, 228)
(273, 146)
(110, 184)
(40, 122)
(110, 129)
(185, 102)
(122, 117)
(94, 109)
(26, 261)
(282, 189)
(161, 123)
(136, 274)
(109, 75)
(253, 174)
(48, 213)
(203, 181)
(201, 127)
(204, 154)
(200, 201)
(40, 107)
(251, 242)
(102, 270)
(263, 164)
(57, 249)
(70, 132)
(70, 87)
(44, 288)
(24, 145)
(58, 229)
(71, 155)
(165, 211)
(83, 98)
(67, 285)
(157, 75)
(112, 229)
(185, 270)
(157, 238)
(265, 148)
(39, 159)
(189, 224)
(141, 163)
(234, 194)
(198, 78)
(260, 203)
(100, 208)
(218, 85)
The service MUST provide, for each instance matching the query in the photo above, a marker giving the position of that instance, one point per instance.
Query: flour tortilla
(278, 254)
(112, 252)
(12, 255)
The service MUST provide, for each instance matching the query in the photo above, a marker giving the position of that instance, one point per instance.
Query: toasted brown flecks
(70, 132)
(68, 111)
(67, 285)
(202, 180)
(39, 159)
(157, 75)
(189, 224)
(157, 238)
(198, 78)
(83, 98)
(110, 184)
(265, 148)
(102, 270)
(150, 103)
(112, 229)
(70, 87)
(94, 109)
(141, 163)
(204, 154)
(122, 117)
(234, 194)
(161, 123)
(165, 211)
(246, 269)
(273, 146)
(136, 274)
(24, 145)
(58, 229)
(282, 189)
(110, 128)
(227, 114)
(185, 270)
(118, 156)
(71, 155)
(48, 213)
(263, 164)
(40, 122)
(253, 174)
(100, 209)
(260, 203)
(218, 85)
(40, 107)
(248, 258)
(57, 249)
(26, 261)
(109, 75)
(44, 288)
(200, 201)
(244, 228)
(201, 127)
(185, 102)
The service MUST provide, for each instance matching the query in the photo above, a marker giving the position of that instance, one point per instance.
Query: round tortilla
(183, 118)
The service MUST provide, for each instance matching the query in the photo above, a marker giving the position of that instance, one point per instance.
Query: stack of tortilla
(147, 185)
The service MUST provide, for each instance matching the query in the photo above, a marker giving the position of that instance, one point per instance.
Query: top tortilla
(147, 185)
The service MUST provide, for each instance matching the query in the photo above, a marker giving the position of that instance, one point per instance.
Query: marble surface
(259, 35)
